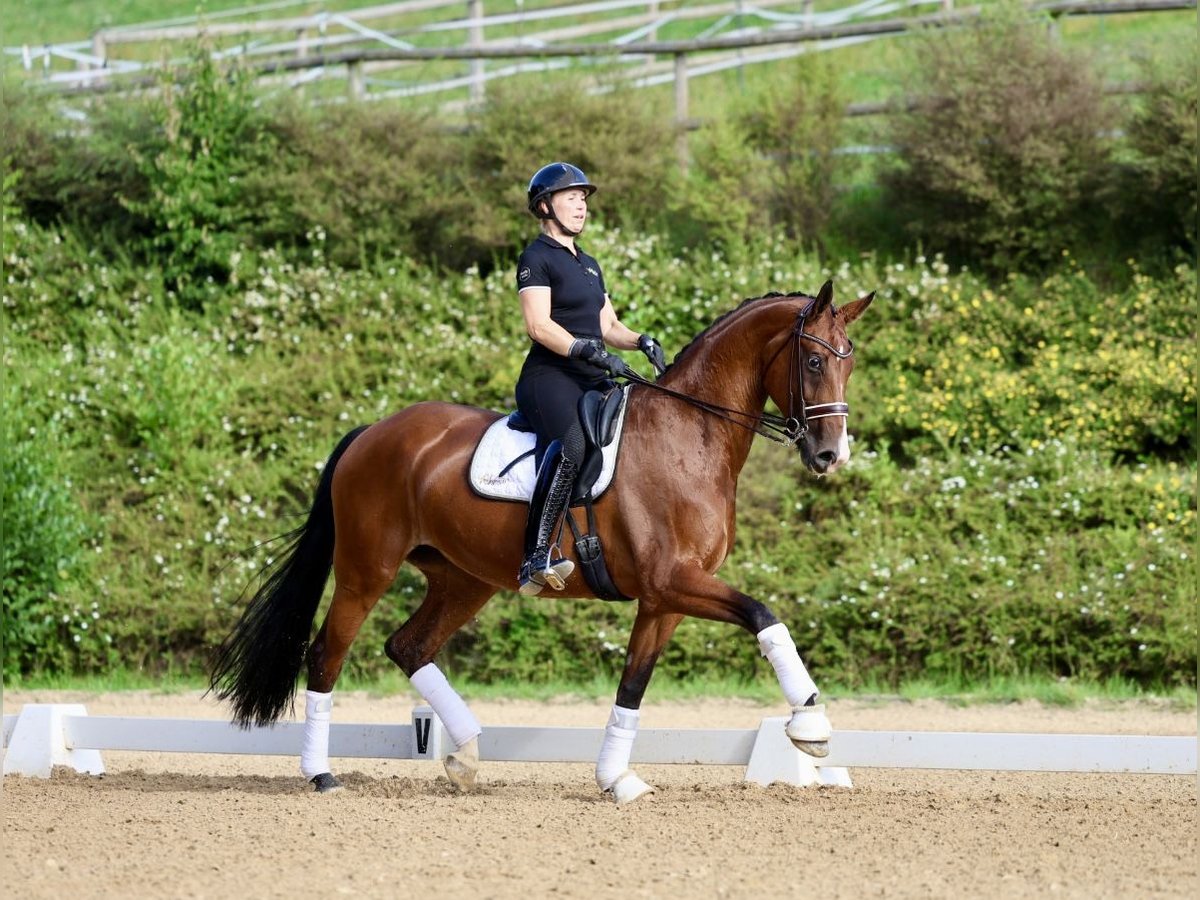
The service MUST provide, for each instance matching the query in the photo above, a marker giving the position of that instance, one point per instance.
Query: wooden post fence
(475, 39)
(681, 111)
(354, 78)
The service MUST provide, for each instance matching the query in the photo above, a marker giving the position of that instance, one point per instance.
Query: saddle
(503, 468)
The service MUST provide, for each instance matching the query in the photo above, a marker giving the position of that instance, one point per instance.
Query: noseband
(783, 430)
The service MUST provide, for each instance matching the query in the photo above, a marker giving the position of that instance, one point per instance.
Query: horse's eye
(814, 363)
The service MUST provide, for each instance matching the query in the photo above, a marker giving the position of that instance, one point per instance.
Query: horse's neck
(725, 369)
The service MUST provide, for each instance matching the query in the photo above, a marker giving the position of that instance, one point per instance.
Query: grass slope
(870, 71)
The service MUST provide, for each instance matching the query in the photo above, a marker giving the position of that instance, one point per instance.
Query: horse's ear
(855, 308)
(824, 299)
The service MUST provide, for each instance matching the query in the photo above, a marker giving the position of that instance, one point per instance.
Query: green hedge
(1026, 509)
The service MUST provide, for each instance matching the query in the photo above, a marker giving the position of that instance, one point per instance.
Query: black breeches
(549, 399)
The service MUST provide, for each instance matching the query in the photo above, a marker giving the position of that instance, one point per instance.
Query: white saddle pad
(500, 445)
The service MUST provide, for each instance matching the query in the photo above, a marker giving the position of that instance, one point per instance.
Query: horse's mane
(773, 295)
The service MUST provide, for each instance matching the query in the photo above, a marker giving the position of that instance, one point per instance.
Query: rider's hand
(654, 352)
(593, 351)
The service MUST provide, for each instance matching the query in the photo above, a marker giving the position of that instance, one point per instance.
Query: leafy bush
(1004, 149)
(952, 361)
(770, 167)
(44, 532)
(368, 182)
(796, 125)
(209, 138)
(1157, 186)
(74, 175)
(626, 148)
(722, 198)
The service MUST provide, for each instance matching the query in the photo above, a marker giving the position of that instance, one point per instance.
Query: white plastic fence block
(430, 739)
(39, 743)
(834, 776)
(774, 758)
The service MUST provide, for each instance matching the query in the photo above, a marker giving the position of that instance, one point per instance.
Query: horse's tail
(257, 665)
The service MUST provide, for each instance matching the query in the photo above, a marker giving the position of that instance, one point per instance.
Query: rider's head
(559, 192)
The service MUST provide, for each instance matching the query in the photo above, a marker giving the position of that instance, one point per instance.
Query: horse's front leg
(651, 631)
(695, 592)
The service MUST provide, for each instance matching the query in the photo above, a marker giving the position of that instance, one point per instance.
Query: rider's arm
(535, 307)
(615, 334)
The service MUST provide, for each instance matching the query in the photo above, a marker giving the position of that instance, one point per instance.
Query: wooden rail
(477, 51)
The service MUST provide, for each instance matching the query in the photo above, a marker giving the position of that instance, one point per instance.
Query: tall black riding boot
(551, 494)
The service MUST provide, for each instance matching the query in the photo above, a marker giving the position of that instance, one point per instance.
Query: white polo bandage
(613, 761)
(314, 749)
(460, 723)
(779, 648)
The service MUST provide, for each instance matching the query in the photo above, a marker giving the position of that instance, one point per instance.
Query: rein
(786, 430)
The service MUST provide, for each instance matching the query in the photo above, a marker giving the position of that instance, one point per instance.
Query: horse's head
(807, 378)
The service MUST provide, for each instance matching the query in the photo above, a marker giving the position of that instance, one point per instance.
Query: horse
(397, 491)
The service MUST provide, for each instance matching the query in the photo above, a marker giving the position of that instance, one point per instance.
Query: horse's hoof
(462, 766)
(325, 783)
(819, 749)
(628, 788)
(810, 730)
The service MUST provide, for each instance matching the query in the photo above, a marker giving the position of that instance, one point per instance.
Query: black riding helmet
(556, 177)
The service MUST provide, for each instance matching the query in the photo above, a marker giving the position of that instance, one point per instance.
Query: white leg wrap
(314, 750)
(778, 647)
(461, 724)
(613, 761)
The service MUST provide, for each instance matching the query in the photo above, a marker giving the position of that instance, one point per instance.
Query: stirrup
(537, 573)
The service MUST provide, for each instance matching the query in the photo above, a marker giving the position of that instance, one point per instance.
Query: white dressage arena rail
(46, 735)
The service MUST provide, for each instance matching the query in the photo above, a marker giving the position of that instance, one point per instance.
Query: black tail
(257, 665)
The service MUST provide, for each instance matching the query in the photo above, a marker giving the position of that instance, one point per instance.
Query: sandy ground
(175, 825)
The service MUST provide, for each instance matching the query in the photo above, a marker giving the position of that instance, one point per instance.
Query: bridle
(796, 377)
(786, 430)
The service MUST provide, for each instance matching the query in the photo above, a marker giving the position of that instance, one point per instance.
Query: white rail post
(475, 40)
(807, 10)
(947, 5)
(100, 49)
(354, 78)
(681, 111)
(652, 8)
(741, 54)
(302, 48)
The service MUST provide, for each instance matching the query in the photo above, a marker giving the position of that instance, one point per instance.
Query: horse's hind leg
(359, 585)
(452, 598)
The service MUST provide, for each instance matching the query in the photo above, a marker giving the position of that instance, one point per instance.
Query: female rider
(570, 319)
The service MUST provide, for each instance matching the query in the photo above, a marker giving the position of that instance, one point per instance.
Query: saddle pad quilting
(500, 445)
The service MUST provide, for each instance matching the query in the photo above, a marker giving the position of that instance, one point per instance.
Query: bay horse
(397, 491)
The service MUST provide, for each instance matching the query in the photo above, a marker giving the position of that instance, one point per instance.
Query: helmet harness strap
(554, 216)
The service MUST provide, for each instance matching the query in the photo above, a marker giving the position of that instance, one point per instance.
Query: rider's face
(570, 206)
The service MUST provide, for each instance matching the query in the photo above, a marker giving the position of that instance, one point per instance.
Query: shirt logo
(593, 272)
(523, 275)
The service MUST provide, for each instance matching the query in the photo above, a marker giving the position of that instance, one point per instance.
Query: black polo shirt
(576, 295)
